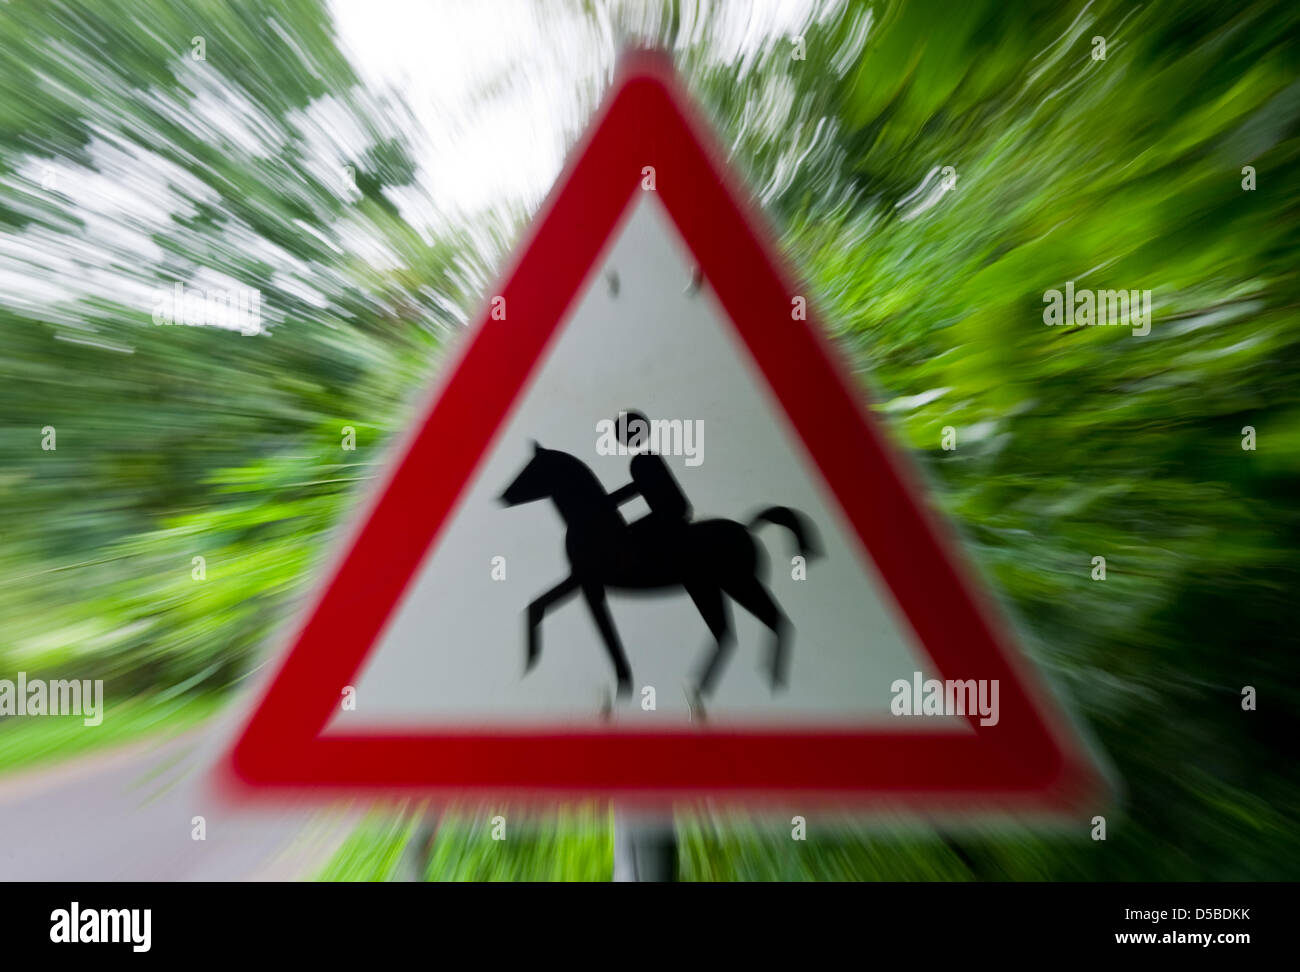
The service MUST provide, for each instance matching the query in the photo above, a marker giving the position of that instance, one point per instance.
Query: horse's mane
(578, 471)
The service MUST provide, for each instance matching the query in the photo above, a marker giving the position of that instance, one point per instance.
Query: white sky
(551, 65)
(439, 55)
(499, 88)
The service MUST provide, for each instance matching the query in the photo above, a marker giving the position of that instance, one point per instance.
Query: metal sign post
(645, 849)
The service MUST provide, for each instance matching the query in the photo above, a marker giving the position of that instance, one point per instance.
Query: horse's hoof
(779, 680)
(695, 702)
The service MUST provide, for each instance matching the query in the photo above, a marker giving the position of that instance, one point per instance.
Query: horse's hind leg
(708, 601)
(537, 610)
(754, 598)
(595, 595)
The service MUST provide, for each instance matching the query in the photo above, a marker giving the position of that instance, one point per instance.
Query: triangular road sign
(648, 285)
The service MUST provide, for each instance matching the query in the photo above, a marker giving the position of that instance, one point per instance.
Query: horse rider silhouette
(662, 550)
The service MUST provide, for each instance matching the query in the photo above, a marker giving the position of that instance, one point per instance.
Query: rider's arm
(624, 493)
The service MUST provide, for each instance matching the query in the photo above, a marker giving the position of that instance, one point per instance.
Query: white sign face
(750, 605)
(644, 336)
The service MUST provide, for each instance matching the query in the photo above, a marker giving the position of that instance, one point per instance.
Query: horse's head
(534, 482)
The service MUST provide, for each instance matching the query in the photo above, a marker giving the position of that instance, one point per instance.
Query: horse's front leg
(537, 610)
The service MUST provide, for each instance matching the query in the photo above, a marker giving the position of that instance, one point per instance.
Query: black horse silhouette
(708, 558)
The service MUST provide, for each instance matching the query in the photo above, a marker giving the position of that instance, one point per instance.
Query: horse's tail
(798, 524)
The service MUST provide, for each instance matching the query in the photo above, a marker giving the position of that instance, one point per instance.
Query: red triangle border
(1032, 761)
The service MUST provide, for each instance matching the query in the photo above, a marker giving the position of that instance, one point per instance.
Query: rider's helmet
(633, 429)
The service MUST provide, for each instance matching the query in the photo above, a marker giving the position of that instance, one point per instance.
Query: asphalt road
(126, 815)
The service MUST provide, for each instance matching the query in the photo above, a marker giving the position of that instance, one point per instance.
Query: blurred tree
(1122, 172)
(268, 166)
(128, 164)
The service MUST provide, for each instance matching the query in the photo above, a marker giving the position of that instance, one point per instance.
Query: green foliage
(573, 845)
(372, 852)
(26, 743)
(734, 849)
(1076, 442)
(179, 442)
